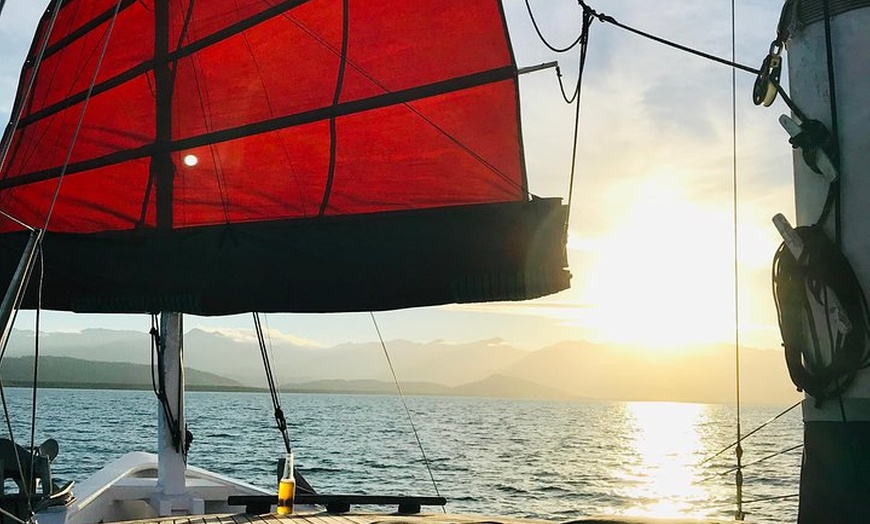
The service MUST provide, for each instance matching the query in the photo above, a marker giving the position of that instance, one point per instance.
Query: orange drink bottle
(286, 487)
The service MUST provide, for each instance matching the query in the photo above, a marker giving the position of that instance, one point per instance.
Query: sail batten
(213, 122)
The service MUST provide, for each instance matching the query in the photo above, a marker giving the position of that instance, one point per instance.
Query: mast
(836, 471)
(171, 493)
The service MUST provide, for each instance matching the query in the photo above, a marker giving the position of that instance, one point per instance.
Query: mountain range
(482, 368)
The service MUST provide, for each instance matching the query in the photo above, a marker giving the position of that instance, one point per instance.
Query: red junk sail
(325, 155)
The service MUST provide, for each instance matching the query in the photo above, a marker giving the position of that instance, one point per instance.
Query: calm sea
(553, 460)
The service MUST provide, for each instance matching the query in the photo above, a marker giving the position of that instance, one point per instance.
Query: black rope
(610, 20)
(587, 23)
(551, 47)
(159, 387)
(822, 273)
(270, 379)
(832, 91)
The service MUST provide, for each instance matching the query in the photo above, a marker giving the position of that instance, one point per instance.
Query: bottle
(286, 487)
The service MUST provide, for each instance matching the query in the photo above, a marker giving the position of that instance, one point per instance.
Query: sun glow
(664, 274)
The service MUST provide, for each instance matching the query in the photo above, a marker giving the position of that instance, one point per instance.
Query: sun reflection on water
(663, 479)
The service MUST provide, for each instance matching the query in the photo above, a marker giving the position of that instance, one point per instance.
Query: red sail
(203, 143)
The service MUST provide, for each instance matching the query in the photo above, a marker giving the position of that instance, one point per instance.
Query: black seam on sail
(333, 131)
(347, 108)
(162, 170)
(100, 19)
(176, 55)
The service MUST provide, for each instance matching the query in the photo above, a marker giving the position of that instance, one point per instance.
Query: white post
(836, 434)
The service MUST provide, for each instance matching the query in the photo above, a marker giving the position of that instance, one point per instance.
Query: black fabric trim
(347, 108)
(475, 253)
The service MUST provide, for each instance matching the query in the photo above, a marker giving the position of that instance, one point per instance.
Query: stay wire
(610, 20)
(738, 450)
(754, 431)
(405, 405)
(33, 401)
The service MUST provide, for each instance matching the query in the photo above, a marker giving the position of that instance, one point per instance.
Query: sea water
(546, 459)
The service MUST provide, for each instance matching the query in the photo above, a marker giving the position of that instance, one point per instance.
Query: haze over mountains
(482, 368)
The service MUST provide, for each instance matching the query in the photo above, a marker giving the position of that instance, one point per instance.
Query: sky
(652, 230)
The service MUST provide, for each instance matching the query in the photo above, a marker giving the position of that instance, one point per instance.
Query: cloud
(272, 335)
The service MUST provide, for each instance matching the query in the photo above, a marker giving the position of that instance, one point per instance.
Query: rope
(821, 278)
(407, 410)
(270, 379)
(610, 20)
(544, 39)
(159, 387)
(832, 90)
(587, 23)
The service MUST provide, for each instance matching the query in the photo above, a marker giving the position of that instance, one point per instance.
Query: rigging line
(405, 404)
(767, 499)
(754, 431)
(37, 331)
(13, 517)
(764, 459)
(738, 451)
(280, 420)
(587, 23)
(544, 40)
(19, 222)
(24, 482)
(159, 384)
(610, 20)
(19, 111)
(82, 114)
(835, 131)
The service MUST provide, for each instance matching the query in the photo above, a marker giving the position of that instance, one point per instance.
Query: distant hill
(66, 371)
(699, 374)
(487, 367)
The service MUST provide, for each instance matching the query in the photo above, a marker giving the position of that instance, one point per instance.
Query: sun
(664, 276)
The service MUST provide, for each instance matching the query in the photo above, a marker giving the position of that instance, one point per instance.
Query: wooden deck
(382, 518)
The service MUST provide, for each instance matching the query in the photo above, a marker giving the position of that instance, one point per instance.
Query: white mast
(171, 496)
(835, 469)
